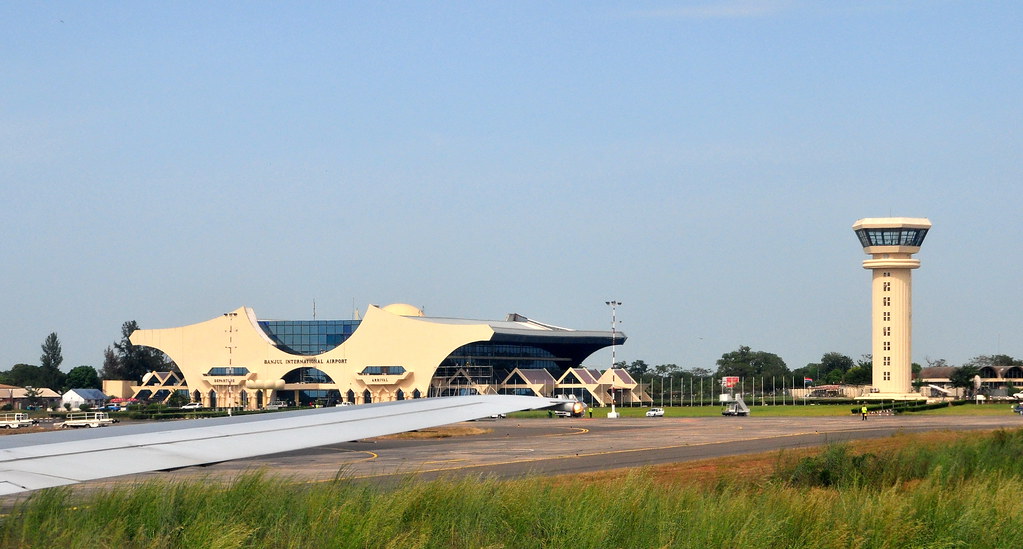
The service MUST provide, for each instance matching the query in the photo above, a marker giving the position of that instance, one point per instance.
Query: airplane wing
(43, 460)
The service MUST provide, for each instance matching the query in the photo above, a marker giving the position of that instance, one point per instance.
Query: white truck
(85, 419)
(14, 421)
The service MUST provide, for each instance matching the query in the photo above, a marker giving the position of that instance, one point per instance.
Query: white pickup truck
(85, 419)
(14, 421)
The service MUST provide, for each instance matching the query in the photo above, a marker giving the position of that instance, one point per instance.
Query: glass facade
(383, 371)
(505, 356)
(228, 371)
(308, 337)
(891, 237)
(487, 363)
(322, 397)
(307, 375)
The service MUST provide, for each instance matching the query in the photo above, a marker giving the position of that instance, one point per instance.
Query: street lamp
(614, 337)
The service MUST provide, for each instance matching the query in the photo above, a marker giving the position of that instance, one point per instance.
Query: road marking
(578, 431)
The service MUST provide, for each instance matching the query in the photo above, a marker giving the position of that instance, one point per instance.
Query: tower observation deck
(891, 243)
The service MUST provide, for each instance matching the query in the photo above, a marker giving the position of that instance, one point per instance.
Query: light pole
(614, 338)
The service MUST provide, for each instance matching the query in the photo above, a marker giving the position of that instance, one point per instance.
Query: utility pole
(614, 338)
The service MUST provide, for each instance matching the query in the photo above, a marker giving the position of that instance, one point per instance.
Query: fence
(756, 391)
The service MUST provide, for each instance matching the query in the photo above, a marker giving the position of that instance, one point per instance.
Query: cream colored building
(393, 353)
(891, 243)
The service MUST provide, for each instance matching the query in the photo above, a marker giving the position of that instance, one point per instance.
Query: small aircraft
(43, 460)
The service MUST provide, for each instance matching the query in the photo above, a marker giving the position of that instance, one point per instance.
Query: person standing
(863, 412)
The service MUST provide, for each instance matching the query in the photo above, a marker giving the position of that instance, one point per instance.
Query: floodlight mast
(614, 338)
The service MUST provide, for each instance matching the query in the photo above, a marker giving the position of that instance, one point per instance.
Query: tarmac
(518, 447)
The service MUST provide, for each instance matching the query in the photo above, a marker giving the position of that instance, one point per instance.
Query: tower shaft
(891, 325)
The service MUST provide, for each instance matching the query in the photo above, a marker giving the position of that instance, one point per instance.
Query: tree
(834, 377)
(26, 375)
(177, 400)
(49, 369)
(111, 366)
(835, 362)
(129, 361)
(700, 372)
(747, 363)
(962, 377)
(858, 375)
(831, 369)
(33, 396)
(666, 370)
(993, 361)
(83, 377)
(51, 357)
(637, 369)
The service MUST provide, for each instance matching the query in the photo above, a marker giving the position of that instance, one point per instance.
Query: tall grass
(961, 495)
(998, 452)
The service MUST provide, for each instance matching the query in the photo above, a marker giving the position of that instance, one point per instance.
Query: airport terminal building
(392, 353)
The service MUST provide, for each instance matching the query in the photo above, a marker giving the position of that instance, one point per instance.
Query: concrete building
(891, 242)
(393, 353)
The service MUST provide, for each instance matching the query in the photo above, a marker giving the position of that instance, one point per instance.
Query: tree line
(121, 360)
(833, 369)
(124, 360)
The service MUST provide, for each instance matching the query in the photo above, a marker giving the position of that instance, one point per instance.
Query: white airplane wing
(42, 460)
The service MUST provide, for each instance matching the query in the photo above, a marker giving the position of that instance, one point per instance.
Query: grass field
(935, 490)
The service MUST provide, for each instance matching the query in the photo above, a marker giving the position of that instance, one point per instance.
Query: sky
(702, 162)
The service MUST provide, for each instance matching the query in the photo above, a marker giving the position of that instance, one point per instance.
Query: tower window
(887, 346)
(887, 286)
(887, 301)
(886, 331)
(887, 361)
(887, 274)
(887, 316)
(887, 376)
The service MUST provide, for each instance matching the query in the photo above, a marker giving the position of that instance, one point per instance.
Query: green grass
(961, 494)
(988, 409)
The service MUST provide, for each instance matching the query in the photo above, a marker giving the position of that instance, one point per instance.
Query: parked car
(655, 412)
(1018, 396)
(192, 406)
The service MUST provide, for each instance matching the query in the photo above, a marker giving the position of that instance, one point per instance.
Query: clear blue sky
(700, 161)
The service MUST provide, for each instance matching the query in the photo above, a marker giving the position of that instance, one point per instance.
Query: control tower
(891, 242)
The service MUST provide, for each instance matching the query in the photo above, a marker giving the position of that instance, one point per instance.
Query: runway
(514, 448)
